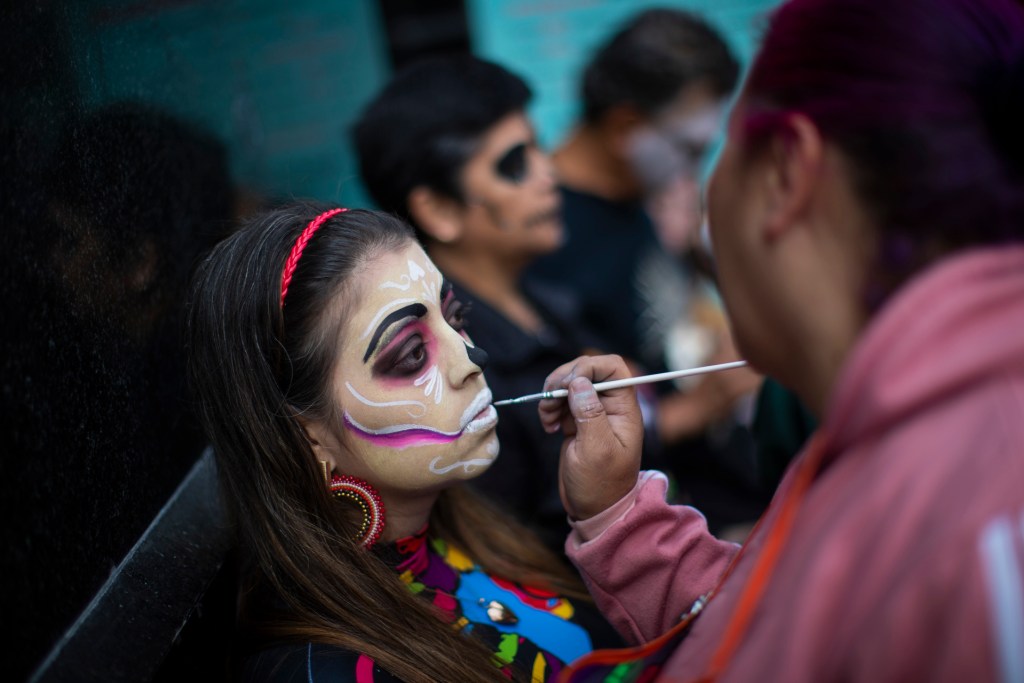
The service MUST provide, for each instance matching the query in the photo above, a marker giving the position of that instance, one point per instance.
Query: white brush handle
(628, 382)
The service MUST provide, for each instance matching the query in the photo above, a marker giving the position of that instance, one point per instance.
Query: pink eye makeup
(410, 311)
(403, 358)
(404, 339)
(402, 355)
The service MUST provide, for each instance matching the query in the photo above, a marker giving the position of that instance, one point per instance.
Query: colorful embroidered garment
(530, 628)
(533, 631)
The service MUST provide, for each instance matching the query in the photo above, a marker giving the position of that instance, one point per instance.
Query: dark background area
(112, 537)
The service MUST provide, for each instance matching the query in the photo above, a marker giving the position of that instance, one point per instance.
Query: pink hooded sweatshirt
(906, 558)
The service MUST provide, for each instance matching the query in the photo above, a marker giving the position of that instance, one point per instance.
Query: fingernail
(582, 394)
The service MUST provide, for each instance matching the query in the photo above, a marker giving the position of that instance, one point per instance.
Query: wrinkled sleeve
(644, 561)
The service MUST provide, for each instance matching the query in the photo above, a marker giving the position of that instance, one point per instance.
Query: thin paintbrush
(616, 383)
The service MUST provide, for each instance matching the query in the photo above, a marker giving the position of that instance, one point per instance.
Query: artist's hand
(603, 434)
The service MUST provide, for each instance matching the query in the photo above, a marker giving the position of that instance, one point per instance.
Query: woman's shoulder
(312, 663)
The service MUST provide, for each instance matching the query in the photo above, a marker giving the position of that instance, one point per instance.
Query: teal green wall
(278, 80)
(548, 41)
(281, 81)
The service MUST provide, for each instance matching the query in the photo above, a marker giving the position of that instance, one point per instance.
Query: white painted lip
(479, 403)
(488, 417)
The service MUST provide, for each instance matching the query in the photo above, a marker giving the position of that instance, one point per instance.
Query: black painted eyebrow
(412, 310)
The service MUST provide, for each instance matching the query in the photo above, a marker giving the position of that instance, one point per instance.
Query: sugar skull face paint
(512, 204)
(414, 408)
(675, 142)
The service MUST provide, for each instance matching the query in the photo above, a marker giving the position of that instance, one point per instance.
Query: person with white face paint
(653, 96)
(346, 405)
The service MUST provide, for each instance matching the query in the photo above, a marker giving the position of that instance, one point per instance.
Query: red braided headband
(300, 244)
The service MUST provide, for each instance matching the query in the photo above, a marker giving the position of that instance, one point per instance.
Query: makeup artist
(448, 146)
(867, 216)
(347, 408)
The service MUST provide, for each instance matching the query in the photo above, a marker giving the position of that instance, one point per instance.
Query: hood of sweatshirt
(959, 322)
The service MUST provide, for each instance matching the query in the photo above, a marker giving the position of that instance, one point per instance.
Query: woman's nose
(477, 356)
(467, 360)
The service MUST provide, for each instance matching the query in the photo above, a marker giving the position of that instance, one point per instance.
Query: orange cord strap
(754, 589)
(647, 660)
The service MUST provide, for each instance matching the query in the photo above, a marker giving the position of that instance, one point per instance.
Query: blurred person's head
(447, 146)
(870, 141)
(135, 194)
(656, 90)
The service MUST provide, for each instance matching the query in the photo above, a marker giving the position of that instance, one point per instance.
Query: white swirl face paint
(415, 410)
(431, 383)
(467, 465)
(420, 412)
(428, 277)
(383, 311)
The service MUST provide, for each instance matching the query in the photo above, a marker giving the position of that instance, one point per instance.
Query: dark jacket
(524, 478)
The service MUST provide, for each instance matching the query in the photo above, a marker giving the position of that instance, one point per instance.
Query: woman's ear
(438, 216)
(794, 161)
(320, 440)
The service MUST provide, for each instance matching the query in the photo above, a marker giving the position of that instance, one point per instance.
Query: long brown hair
(256, 366)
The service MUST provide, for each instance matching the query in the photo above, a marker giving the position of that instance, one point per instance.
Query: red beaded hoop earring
(367, 498)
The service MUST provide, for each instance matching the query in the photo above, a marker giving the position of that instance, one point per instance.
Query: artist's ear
(793, 174)
(438, 216)
(617, 126)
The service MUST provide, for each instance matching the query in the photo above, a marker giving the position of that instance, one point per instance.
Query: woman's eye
(414, 357)
(455, 313)
(408, 359)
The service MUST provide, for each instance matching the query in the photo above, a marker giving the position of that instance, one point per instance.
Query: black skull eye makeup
(512, 164)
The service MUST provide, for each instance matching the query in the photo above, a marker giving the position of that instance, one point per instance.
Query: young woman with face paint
(324, 343)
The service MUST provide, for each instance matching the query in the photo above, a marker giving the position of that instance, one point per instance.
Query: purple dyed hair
(925, 97)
